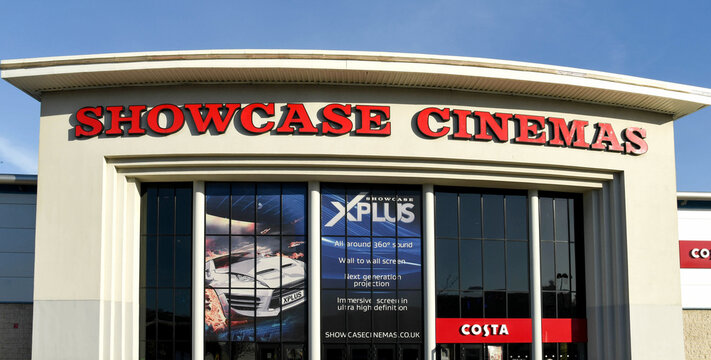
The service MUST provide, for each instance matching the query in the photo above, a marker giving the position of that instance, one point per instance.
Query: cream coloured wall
(85, 227)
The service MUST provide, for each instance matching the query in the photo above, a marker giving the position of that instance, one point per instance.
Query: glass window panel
(183, 305)
(471, 268)
(333, 315)
(216, 311)
(268, 329)
(446, 351)
(243, 350)
(165, 261)
(448, 304)
(494, 304)
(150, 261)
(472, 352)
(359, 317)
(358, 266)
(243, 209)
(183, 331)
(472, 304)
(494, 265)
(385, 314)
(165, 314)
(519, 351)
(333, 206)
(550, 351)
(571, 218)
(293, 262)
(573, 271)
(564, 305)
(150, 314)
(493, 226)
(164, 350)
(268, 270)
(470, 216)
(294, 352)
(242, 262)
(519, 305)
(447, 264)
(546, 218)
(183, 261)
(333, 262)
(242, 304)
(548, 303)
(358, 216)
(517, 268)
(446, 214)
(183, 350)
(516, 217)
(561, 219)
(409, 222)
(217, 350)
(384, 207)
(217, 208)
(548, 275)
(268, 209)
(184, 210)
(384, 263)
(410, 316)
(293, 209)
(562, 266)
(293, 322)
(149, 211)
(166, 210)
(332, 353)
(577, 308)
(409, 267)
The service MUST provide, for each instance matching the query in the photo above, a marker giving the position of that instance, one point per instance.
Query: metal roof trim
(684, 99)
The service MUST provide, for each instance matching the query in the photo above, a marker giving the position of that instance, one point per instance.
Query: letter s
(94, 124)
(486, 330)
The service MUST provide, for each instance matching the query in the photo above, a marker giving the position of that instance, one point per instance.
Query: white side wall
(695, 283)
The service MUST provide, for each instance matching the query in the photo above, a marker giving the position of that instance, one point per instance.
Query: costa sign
(497, 331)
(695, 254)
(363, 120)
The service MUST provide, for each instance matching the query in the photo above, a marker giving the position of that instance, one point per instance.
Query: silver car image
(275, 290)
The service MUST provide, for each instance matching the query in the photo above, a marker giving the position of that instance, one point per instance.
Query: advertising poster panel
(255, 265)
(371, 264)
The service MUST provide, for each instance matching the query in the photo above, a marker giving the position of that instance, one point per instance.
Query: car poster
(255, 263)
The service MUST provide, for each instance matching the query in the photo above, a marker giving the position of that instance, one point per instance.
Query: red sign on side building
(695, 254)
(497, 331)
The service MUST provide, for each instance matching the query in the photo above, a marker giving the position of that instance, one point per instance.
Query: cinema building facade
(352, 205)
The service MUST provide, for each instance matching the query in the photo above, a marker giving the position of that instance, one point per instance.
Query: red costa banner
(497, 331)
(492, 331)
(695, 254)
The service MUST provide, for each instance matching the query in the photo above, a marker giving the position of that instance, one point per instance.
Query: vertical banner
(371, 264)
(255, 266)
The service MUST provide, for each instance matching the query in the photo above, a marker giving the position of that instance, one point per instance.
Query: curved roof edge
(38, 75)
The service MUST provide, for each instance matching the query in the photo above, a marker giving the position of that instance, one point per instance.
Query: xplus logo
(380, 206)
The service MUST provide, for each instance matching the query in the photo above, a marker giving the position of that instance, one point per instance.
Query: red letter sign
(371, 122)
(93, 123)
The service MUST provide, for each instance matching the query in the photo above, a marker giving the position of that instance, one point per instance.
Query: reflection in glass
(471, 266)
(548, 275)
(447, 264)
(561, 219)
(493, 216)
(495, 304)
(516, 217)
(470, 216)
(446, 215)
(494, 265)
(448, 304)
(517, 268)
(472, 304)
(546, 218)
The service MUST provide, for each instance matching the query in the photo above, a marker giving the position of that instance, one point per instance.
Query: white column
(198, 269)
(429, 269)
(314, 271)
(535, 247)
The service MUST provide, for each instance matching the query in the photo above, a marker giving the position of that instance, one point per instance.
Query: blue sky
(662, 40)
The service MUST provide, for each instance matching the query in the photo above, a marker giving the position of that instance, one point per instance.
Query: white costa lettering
(484, 330)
